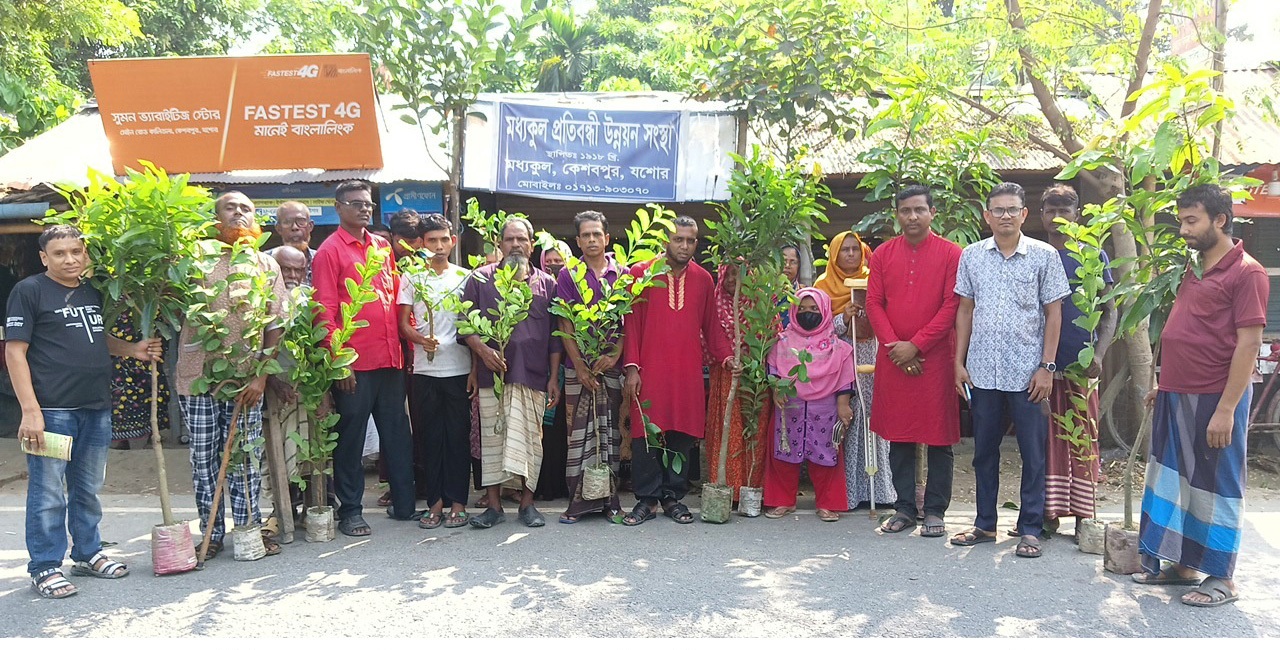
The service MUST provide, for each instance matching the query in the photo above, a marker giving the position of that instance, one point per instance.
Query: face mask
(809, 320)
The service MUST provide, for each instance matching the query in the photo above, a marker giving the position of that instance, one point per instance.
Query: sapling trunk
(431, 328)
(723, 463)
(215, 508)
(166, 510)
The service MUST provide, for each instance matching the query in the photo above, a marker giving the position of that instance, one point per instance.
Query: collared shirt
(1006, 343)
(311, 255)
(1199, 338)
(378, 345)
(192, 356)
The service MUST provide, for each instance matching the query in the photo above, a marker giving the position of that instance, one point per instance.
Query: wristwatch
(1050, 366)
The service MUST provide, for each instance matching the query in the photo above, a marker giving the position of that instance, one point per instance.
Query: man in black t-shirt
(58, 353)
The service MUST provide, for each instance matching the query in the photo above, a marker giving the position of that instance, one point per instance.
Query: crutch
(871, 465)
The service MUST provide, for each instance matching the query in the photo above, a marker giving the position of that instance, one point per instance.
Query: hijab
(832, 279)
(831, 368)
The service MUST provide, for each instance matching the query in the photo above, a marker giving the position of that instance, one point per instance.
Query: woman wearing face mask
(809, 435)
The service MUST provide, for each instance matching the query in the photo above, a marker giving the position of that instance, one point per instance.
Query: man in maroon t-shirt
(1193, 505)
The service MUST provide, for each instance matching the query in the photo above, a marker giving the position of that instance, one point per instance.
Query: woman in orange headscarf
(848, 258)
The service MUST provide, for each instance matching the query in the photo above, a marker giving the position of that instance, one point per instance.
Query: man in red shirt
(1193, 505)
(376, 386)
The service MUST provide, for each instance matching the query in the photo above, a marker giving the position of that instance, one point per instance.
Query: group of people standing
(891, 341)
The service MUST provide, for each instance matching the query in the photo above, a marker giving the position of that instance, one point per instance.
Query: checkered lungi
(209, 422)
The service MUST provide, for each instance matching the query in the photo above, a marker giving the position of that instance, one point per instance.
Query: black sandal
(641, 513)
(678, 512)
(898, 523)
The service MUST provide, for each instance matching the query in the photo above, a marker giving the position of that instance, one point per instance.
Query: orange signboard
(213, 114)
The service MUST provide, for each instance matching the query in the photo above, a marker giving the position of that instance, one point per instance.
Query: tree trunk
(457, 121)
(723, 463)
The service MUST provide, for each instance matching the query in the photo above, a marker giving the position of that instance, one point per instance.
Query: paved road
(752, 577)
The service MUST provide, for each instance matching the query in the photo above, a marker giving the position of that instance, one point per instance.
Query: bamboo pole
(215, 508)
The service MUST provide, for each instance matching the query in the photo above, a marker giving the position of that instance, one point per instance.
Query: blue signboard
(607, 155)
(318, 197)
(422, 198)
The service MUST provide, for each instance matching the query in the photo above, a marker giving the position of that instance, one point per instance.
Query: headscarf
(559, 247)
(832, 366)
(832, 280)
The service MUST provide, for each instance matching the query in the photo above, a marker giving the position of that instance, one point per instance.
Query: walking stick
(215, 508)
(871, 464)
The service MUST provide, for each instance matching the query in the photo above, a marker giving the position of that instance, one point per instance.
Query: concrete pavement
(752, 577)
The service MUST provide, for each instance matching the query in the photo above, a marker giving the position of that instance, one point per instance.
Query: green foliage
(769, 204)
(563, 54)
(488, 226)
(148, 243)
(1159, 151)
(241, 354)
(414, 270)
(315, 367)
(496, 326)
(597, 326)
(793, 66)
(656, 439)
(919, 144)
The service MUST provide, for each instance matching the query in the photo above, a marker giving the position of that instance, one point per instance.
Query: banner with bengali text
(610, 155)
(216, 114)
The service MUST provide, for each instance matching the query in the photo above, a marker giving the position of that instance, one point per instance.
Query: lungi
(515, 453)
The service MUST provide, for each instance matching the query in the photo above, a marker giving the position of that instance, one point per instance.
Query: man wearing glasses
(1007, 327)
(376, 386)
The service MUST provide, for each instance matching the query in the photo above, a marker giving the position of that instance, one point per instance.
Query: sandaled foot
(100, 566)
(354, 527)
(972, 536)
(677, 512)
(214, 549)
(431, 520)
(566, 518)
(1169, 575)
(779, 512)
(934, 526)
(269, 544)
(385, 499)
(828, 515)
(530, 517)
(482, 502)
(50, 583)
(488, 519)
(899, 522)
(457, 519)
(1213, 592)
(641, 513)
(1029, 546)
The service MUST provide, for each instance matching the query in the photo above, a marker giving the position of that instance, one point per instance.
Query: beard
(233, 234)
(518, 261)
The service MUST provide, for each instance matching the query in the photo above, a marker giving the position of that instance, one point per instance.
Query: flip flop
(1166, 576)
(972, 537)
(904, 523)
(431, 520)
(934, 526)
(779, 512)
(1216, 589)
(456, 520)
(568, 519)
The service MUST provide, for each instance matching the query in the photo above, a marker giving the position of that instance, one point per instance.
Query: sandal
(827, 515)
(385, 499)
(1029, 546)
(567, 518)
(100, 566)
(50, 583)
(779, 512)
(214, 549)
(269, 544)
(271, 526)
(972, 536)
(678, 512)
(1167, 576)
(934, 526)
(898, 523)
(354, 527)
(1216, 590)
(431, 520)
(457, 519)
(641, 513)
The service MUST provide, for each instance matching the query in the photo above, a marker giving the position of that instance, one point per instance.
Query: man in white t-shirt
(440, 395)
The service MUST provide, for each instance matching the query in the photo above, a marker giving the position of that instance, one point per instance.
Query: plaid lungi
(507, 456)
(1193, 504)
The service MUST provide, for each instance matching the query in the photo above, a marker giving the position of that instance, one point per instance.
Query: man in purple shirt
(512, 455)
(594, 432)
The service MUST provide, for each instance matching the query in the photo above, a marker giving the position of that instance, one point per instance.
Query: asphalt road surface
(793, 577)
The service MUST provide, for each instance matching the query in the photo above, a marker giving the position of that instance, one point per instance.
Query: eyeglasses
(1005, 212)
(359, 205)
